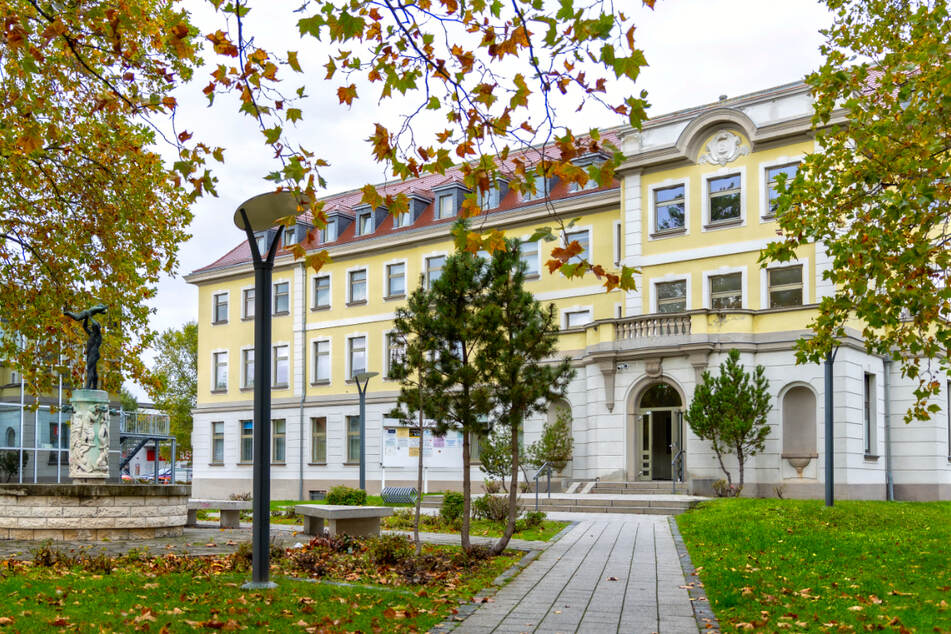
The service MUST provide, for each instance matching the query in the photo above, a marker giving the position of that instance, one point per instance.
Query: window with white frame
(353, 439)
(726, 291)
(725, 196)
(278, 431)
(318, 440)
(434, 266)
(357, 355)
(220, 365)
(247, 368)
(218, 442)
(785, 286)
(322, 291)
(290, 236)
(577, 318)
(868, 412)
(446, 206)
(358, 286)
(396, 279)
(282, 298)
(322, 361)
(404, 219)
(618, 241)
(394, 351)
(365, 223)
(528, 254)
(489, 199)
(247, 303)
(773, 175)
(582, 238)
(219, 302)
(670, 208)
(329, 233)
(671, 296)
(280, 371)
(541, 188)
(247, 440)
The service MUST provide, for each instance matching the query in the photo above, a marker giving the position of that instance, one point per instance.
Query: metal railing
(546, 468)
(652, 326)
(676, 470)
(144, 423)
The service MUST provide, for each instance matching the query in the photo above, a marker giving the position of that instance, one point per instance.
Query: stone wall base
(89, 534)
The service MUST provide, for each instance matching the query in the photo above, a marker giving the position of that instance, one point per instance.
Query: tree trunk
(740, 459)
(513, 496)
(466, 490)
(419, 480)
(729, 478)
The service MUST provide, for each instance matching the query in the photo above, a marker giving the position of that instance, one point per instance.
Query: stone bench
(352, 520)
(230, 511)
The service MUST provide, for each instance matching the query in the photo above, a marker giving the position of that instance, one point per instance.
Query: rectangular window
(617, 244)
(247, 301)
(365, 223)
(475, 448)
(394, 351)
(528, 254)
(278, 430)
(434, 269)
(489, 199)
(446, 206)
(290, 236)
(395, 279)
(581, 237)
(247, 441)
(220, 362)
(353, 439)
(247, 368)
(358, 286)
(869, 414)
(724, 194)
(322, 361)
(220, 308)
(669, 208)
(282, 294)
(404, 219)
(329, 233)
(357, 355)
(318, 440)
(772, 178)
(218, 442)
(671, 296)
(726, 291)
(577, 318)
(322, 291)
(541, 189)
(281, 368)
(785, 286)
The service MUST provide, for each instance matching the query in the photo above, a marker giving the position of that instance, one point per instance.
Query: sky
(696, 50)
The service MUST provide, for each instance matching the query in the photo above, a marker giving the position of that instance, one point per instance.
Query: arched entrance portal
(658, 432)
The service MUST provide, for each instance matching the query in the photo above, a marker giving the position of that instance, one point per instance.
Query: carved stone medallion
(723, 148)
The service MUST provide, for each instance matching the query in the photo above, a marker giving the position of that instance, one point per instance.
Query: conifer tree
(518, 354)
(730, 411)
(414, 368)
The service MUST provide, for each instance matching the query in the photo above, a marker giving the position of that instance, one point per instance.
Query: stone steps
(641, 504)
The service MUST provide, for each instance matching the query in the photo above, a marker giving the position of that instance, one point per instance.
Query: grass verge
(795, 565)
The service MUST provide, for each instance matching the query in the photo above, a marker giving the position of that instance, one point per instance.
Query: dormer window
(329, 233)
(291, 236)
(491, 198)
(365, 223)
(446, 206)
(542, 189)
(404, 219)
(585, 161)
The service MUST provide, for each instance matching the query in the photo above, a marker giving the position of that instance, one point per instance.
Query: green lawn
(796, 565)
(183, 595)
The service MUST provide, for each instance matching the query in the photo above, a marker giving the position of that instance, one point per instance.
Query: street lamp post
(829, 429)
(260, 214)
(363, 379)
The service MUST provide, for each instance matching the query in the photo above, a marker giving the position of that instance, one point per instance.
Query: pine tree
(521, 339)
(730, 411)
(414, 368)
(556, 444)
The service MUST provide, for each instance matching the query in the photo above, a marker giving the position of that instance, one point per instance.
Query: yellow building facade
(691, 209)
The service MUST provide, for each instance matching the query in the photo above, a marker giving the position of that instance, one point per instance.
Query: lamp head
(365, 376)
(264, 210)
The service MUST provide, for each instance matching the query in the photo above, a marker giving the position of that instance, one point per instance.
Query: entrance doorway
(658, 433)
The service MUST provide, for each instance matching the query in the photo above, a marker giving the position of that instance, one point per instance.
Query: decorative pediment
(723, 147)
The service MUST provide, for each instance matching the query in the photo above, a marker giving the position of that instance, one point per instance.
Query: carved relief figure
(723, 148)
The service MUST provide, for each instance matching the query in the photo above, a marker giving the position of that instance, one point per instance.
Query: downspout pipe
(302, 359)
(889, 479)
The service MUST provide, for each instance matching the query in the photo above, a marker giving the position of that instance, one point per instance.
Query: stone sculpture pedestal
(89, 437)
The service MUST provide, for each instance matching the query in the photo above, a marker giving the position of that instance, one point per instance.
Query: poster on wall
(401, 446)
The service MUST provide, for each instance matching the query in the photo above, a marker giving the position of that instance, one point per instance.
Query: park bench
(352, 520)
(230, 511)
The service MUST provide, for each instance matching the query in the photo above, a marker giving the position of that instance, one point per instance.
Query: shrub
(556, 444)
(453, 504)
(534, 519)
(244, 497)
(724, 489)
(241, 559)
(346, 496)
(491, 507)
(388, 550)
(402, 519)
(492, 486)
(525, 486)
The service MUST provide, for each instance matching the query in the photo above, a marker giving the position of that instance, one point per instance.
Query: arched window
(660, 395)
(11, 437)
(799, 423)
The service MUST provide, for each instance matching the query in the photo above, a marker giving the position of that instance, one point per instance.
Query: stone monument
(89, 433)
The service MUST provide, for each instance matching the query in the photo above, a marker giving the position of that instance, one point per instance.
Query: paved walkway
(619, 573)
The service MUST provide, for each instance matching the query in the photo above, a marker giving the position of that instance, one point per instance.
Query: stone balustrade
(652, 326)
